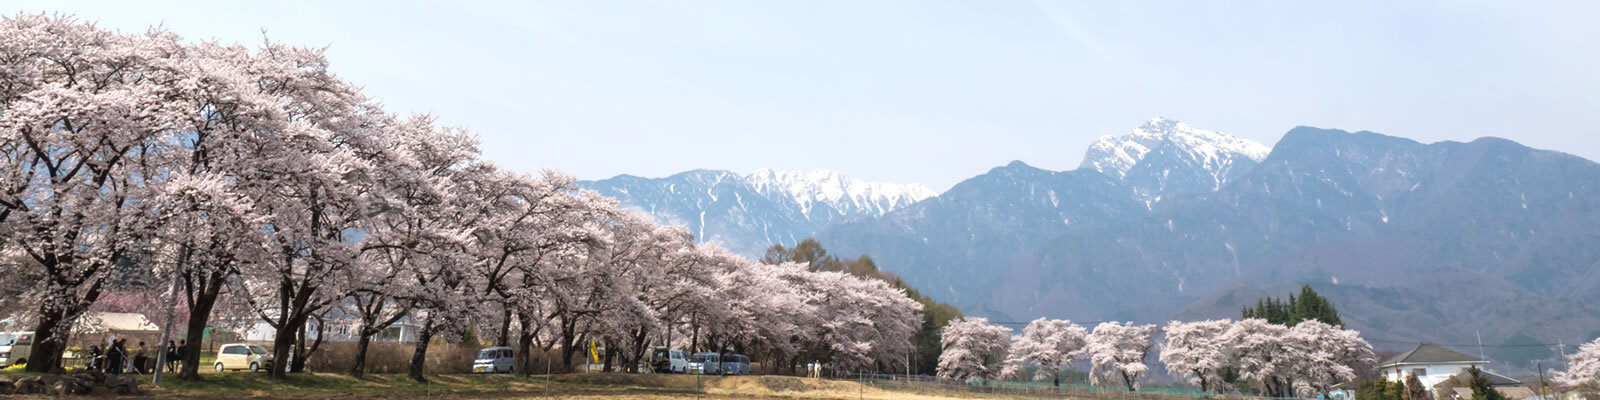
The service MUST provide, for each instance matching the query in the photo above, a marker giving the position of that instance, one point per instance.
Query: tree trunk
(640, 343)
(505, 329)
(304, 352)
(419, 357)
(45, 357)
(610, 353)
(360, 368)
(281, 342)
(204, 299)
(525, 346)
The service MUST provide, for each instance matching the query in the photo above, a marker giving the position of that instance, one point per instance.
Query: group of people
(114, 358)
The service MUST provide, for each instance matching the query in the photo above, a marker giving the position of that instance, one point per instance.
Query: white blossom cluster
(1306, 360)
(274, 191)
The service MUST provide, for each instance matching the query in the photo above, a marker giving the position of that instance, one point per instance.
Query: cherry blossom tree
(1050, 344)
(1196, 350)
(1325, 356)
(974, 350)
(314, 182)
(1260, 350)
(1583, 367)
(86, 118)
(1119, 350)
(412, 231)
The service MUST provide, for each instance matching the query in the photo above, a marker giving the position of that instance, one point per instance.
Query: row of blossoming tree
(271, 190)
(1279, 361)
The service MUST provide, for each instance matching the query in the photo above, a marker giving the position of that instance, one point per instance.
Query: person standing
(141, 360)
(183, 350)
(94, 357)
(114, 357)
(172, 356)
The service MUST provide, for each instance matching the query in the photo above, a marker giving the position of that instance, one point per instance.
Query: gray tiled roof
(1427, 353)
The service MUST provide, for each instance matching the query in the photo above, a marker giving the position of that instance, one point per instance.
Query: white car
(669, 361)
(494, 360)
(14, 347)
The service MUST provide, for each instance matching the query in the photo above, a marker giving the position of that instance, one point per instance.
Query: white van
(669, 361)
(706, 363)
(14, 348)
(494, 359)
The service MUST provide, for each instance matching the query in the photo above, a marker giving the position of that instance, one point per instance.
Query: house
(1434, 365)
(1431, 363)
(1512, 388)
(340, 326)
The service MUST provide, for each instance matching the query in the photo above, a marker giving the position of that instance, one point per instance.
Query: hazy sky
(930, 92)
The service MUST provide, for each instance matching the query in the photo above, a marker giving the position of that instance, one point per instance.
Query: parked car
(669, 361)
(239, 356)
(494, 360)
(735, 364)
(705, 363)
(14, 348)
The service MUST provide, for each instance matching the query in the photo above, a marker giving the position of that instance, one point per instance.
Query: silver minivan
(705, 363)
(735, 364)
(494, 359)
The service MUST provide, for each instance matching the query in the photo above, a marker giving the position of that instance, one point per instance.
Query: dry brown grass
(392, 358)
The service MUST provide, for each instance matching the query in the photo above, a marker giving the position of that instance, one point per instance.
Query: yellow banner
(593, 351)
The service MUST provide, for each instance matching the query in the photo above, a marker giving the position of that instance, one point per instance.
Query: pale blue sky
(930, 92)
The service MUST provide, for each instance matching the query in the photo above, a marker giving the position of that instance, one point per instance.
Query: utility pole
(1563, 346)
(1540, 366)
(172, 304)
(1480, 345)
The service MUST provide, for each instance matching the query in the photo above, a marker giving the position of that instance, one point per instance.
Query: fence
(935, 386)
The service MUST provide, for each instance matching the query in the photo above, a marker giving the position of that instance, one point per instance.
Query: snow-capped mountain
(1165, 156)
(748, 213)
(1415, 242)
(846, 196)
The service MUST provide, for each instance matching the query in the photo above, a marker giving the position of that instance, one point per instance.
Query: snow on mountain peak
(1112, 153)
(838, 191)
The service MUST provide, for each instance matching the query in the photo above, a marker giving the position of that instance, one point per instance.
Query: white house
(341, 327)
(1433, 364)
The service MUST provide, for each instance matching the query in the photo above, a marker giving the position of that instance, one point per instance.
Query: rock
(6, 387)
(123, 385)
(29, 385)
(93, 376)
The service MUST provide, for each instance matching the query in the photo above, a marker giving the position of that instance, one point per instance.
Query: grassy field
(244, 385)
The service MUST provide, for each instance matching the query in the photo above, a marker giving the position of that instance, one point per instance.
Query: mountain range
(748, 213)
(1414, 242)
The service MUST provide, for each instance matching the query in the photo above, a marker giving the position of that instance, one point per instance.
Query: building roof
(1512, 392)
(1429, 354)
(95, 322)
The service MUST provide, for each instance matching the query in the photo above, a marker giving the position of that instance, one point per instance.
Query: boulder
(6, 386)
(122, 385)
(29, 385)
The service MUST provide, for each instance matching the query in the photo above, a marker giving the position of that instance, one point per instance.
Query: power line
(1466, 344)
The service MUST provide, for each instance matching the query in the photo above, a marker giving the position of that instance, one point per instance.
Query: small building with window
(1433, 364)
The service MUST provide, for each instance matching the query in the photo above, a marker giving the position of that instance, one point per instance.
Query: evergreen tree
(1307, 306)
(1482, 387)
(1414, 388)
(1380, 389)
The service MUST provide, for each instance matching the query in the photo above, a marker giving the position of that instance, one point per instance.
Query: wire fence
(935, 386)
